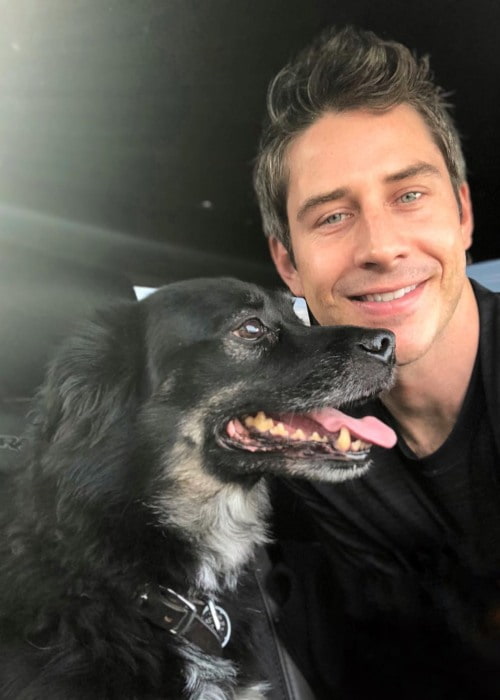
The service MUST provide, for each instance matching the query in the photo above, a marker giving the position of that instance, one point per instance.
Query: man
(361, 183)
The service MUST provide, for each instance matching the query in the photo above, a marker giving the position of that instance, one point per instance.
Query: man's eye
(335, 218)
(252, 329)
(410, 197)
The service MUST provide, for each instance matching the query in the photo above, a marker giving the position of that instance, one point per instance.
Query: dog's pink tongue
(369, 428)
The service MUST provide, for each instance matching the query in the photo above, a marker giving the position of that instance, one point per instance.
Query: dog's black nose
(380, 344)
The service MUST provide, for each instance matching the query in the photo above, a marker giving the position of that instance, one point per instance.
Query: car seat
(41, 298)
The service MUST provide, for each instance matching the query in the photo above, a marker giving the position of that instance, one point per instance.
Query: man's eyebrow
(321, 199)
(412, 170)
(420, 168)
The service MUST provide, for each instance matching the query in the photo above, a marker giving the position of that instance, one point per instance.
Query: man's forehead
(387, 146)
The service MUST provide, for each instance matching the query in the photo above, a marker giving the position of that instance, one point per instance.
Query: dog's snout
(380, 345)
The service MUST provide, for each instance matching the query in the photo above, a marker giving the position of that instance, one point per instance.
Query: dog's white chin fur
(326, 473)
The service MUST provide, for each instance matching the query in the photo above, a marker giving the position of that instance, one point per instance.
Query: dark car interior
(127, 136)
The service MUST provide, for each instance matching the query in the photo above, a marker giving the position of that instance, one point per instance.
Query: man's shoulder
(489, 315)
(484, 296)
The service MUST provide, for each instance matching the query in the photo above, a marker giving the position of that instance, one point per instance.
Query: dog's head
(209, 377)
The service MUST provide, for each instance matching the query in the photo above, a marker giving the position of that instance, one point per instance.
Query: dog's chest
(224, 524)
(234, 528)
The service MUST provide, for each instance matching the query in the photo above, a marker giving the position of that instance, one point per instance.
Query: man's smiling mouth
(387, 296)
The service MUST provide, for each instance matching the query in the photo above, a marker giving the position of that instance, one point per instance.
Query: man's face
(375, 227)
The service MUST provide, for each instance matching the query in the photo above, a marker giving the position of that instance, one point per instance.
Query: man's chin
(409, 353)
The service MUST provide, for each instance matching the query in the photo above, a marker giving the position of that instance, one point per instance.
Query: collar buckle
(179, 604)
(206, 624)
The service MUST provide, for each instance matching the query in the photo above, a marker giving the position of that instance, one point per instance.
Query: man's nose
(380, 241)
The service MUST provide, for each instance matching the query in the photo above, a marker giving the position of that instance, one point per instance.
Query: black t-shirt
(407, 510)
(413, 548)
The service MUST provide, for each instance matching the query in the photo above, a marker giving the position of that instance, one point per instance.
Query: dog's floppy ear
(86, 406)
(94, 375)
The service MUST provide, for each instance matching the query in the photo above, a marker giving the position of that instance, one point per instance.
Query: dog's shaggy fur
(137, 479)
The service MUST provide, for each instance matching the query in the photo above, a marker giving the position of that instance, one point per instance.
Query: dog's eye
(252, 329)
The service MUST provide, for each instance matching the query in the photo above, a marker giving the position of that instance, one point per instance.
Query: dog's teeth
(359, 445)
(279, 429)
(316, 437)
(343, 441)
(260, 422)
(263, 424)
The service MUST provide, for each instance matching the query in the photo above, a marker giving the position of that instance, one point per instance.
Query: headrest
(41, 299)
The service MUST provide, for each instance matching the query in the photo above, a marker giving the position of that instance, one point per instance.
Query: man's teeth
(389, 296)
(343, 442)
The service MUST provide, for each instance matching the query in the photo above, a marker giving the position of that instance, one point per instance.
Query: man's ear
(466, 215)
(286, 268)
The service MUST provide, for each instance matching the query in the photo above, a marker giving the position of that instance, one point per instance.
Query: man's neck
(429, 393)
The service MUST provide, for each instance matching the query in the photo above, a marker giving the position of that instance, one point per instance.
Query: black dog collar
(201, 622)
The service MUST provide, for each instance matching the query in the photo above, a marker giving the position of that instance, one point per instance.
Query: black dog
(143, 500)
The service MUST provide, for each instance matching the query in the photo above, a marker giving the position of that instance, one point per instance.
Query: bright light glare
(143, 292)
